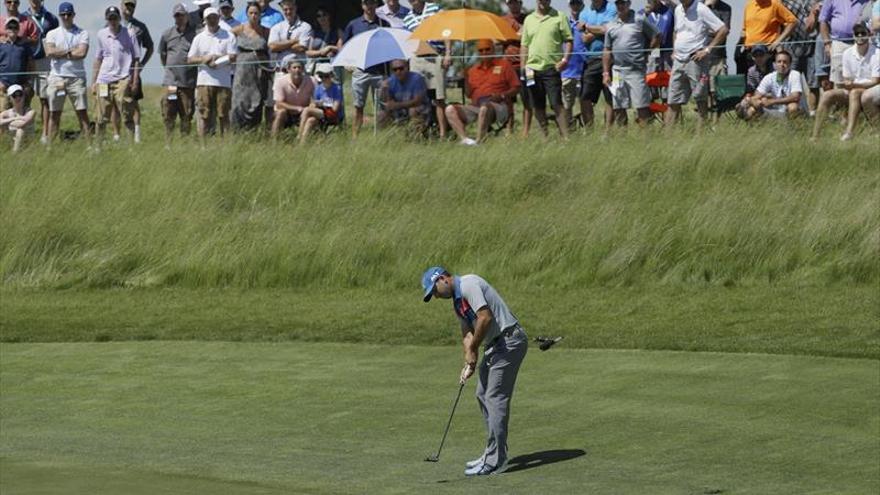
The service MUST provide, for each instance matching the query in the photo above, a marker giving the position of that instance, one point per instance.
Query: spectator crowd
(261, 67)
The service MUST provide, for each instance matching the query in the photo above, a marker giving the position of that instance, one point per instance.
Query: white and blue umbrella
(376, 46)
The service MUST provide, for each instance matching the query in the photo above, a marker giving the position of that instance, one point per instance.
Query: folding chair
(729, 91)
(658, 82)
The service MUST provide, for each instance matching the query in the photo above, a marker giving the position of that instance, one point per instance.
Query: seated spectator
(405, 97)
(328, 96)
(492, 85)
(857, 66)
(293, 95)
(18, 120)
(755, 74)
(779, 94)
(871, 96)
(15, 60)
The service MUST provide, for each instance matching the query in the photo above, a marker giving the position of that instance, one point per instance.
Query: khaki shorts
(115, 94)
(431, 68)
(717, 67)
(472, 112)
(629, 89)
(40, 81)
(872, 96)
(213, 101)
(179, 102)
(4, 99)
(59, 88)
(837, 49)
(688, 79)
(571, 91)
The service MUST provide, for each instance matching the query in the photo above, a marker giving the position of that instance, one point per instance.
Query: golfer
(484, 318)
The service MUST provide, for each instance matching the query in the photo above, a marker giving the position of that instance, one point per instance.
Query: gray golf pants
(498, 373)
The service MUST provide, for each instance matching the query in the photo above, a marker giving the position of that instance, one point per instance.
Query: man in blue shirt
(593, 23)
(268, 16)
(574, 71)
(662, 17)
(15, 61)
(45, 22)
(405, 97)
(362, 81)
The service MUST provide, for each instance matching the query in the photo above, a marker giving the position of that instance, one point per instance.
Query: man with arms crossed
(484, 318)
(66, 47)
(214, 49)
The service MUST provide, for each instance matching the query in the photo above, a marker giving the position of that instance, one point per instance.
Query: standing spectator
(433, 69)
(627, 41)
(801, 44)
(836, 21)
(325, 41)
(859, 67)
(294, 95)
(45, 22)
(178, 100)
(227, 17)
(768, 22)
(15, 60)
(329, 97)
(145, 41)
(546, 47)
(393, 13)
(363, 81)
(718, 58)
(875, 22)
(18, 120)
(779, 94)
(253, 78)
(268, 16)
(662, 17)
(574, 71)
(66, 48)
(214, 49)
(28, 32)
(492, 85)
(594, 22)
(197, 17)
(512, 50)
(116, 74)
(405, 97)
(694, 23)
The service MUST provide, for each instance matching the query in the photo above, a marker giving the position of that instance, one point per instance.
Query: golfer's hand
(466, 373)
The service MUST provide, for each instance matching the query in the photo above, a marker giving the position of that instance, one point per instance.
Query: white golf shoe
(474, 463)
(485, 470)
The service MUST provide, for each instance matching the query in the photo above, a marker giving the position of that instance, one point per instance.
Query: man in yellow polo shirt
(546, 46)
(768, 22)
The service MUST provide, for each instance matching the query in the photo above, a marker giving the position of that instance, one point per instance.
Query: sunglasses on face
(66, 15)
(18, 95)
(398, 69)
(325, 76)
(12, 2)
(484, 50)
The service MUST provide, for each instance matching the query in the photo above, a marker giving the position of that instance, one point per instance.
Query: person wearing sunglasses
(17, 120)
(116, 74)
(492, 85)
(66, 48)
(859, 69)
(45, 22)
(178, 100)
(27, 30)
(405, 98)
(16, 61)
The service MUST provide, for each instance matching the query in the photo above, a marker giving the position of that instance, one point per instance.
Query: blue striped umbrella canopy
(375, 47)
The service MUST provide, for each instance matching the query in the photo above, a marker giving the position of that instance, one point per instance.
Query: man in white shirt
(692, 45)
(858, 66)
(214, 50)
(780, 92)
(66, 47)
(290, 36)
(393, 13)
(871, 96)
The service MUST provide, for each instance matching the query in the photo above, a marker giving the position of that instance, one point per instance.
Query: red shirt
(26, 28)
(499, 77)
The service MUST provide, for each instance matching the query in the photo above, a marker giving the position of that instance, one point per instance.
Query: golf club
(547, 342)
(436, 457)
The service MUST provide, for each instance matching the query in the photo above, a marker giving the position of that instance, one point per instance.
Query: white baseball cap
(324, 68)
(199, 3)
(15, 88)
(211, 11)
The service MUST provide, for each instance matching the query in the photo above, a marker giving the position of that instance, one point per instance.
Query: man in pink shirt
(293, 96)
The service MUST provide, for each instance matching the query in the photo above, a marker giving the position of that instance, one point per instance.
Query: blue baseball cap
(65, 8)
(429, 279)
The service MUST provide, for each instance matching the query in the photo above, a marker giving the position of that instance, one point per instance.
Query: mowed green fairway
(294, 417)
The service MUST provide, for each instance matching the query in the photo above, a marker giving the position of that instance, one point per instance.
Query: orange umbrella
(464, 25)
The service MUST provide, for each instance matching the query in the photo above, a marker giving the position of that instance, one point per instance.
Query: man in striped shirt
(433, 69)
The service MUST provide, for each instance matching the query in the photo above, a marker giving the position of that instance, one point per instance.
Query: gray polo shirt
(472, 294)
(629, 41)
(173, 49)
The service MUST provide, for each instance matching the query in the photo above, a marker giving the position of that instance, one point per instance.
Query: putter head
(547, 342)
(432, 458)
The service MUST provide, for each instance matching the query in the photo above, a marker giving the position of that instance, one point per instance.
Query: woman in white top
(17, 120)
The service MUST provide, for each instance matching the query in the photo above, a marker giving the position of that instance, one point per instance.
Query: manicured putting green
(259, 418)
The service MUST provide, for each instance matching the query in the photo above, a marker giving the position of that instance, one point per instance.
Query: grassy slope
(336, 418)
(826, 321)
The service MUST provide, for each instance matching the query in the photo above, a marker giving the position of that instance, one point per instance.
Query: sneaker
(474, 463)
(475, 470)
(846, 136)
(485, 470)
(44, 140)
(468, 142)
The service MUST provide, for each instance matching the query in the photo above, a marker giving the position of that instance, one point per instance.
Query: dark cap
(760, 49)
(225, 3)
(861, 29)
(65, 8)
(112, 11)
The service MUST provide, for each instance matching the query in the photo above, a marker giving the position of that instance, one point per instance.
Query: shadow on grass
(538, 459)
